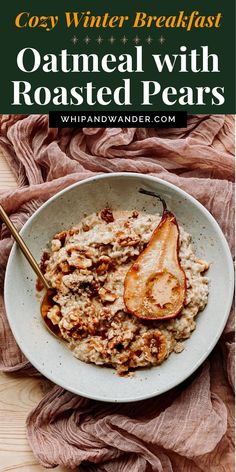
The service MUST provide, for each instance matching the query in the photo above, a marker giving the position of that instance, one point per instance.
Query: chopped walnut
(127, 224)
(155, 345)
(61, 236)
(64, 266)
(101, 269)
(107, 215)
(129, 240)
(94, 287)
(135, 214)
(74, 320)
(55, 245)
(73, 231)
(85, 227)
(179, 347)
(54, 314)
(106, 295)
(80, 262)
(103, 264)
(57, 283)
(44, 260)
(204, 264)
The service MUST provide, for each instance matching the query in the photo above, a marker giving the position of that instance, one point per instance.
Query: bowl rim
(182, 193)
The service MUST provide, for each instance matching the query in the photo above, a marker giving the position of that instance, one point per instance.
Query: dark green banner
(126, 55)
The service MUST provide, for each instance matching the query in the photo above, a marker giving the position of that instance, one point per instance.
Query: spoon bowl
(47, 299)
(46, 303)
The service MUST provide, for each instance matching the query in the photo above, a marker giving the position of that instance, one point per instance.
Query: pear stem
(154, 194)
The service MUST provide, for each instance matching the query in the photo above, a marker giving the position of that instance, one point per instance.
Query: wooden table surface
(18, 395)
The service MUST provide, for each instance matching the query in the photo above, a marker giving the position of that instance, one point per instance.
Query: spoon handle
(23, 247)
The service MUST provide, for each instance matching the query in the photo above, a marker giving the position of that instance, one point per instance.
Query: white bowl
(51, 356)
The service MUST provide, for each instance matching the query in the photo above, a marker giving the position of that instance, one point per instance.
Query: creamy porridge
(87, 266)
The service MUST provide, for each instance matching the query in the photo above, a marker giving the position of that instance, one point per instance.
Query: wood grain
(18, 395)
(7, 178)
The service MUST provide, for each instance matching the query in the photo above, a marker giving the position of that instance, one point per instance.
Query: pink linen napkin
(189, 429)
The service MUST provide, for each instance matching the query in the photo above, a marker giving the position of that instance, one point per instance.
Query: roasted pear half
(155, 285)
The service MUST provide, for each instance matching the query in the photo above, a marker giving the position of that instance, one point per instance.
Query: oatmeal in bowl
(127, 288)
(97, 239)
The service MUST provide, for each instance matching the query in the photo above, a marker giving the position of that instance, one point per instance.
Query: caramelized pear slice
(155, 285)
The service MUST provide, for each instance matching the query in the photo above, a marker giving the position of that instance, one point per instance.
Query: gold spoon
(47, 299)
